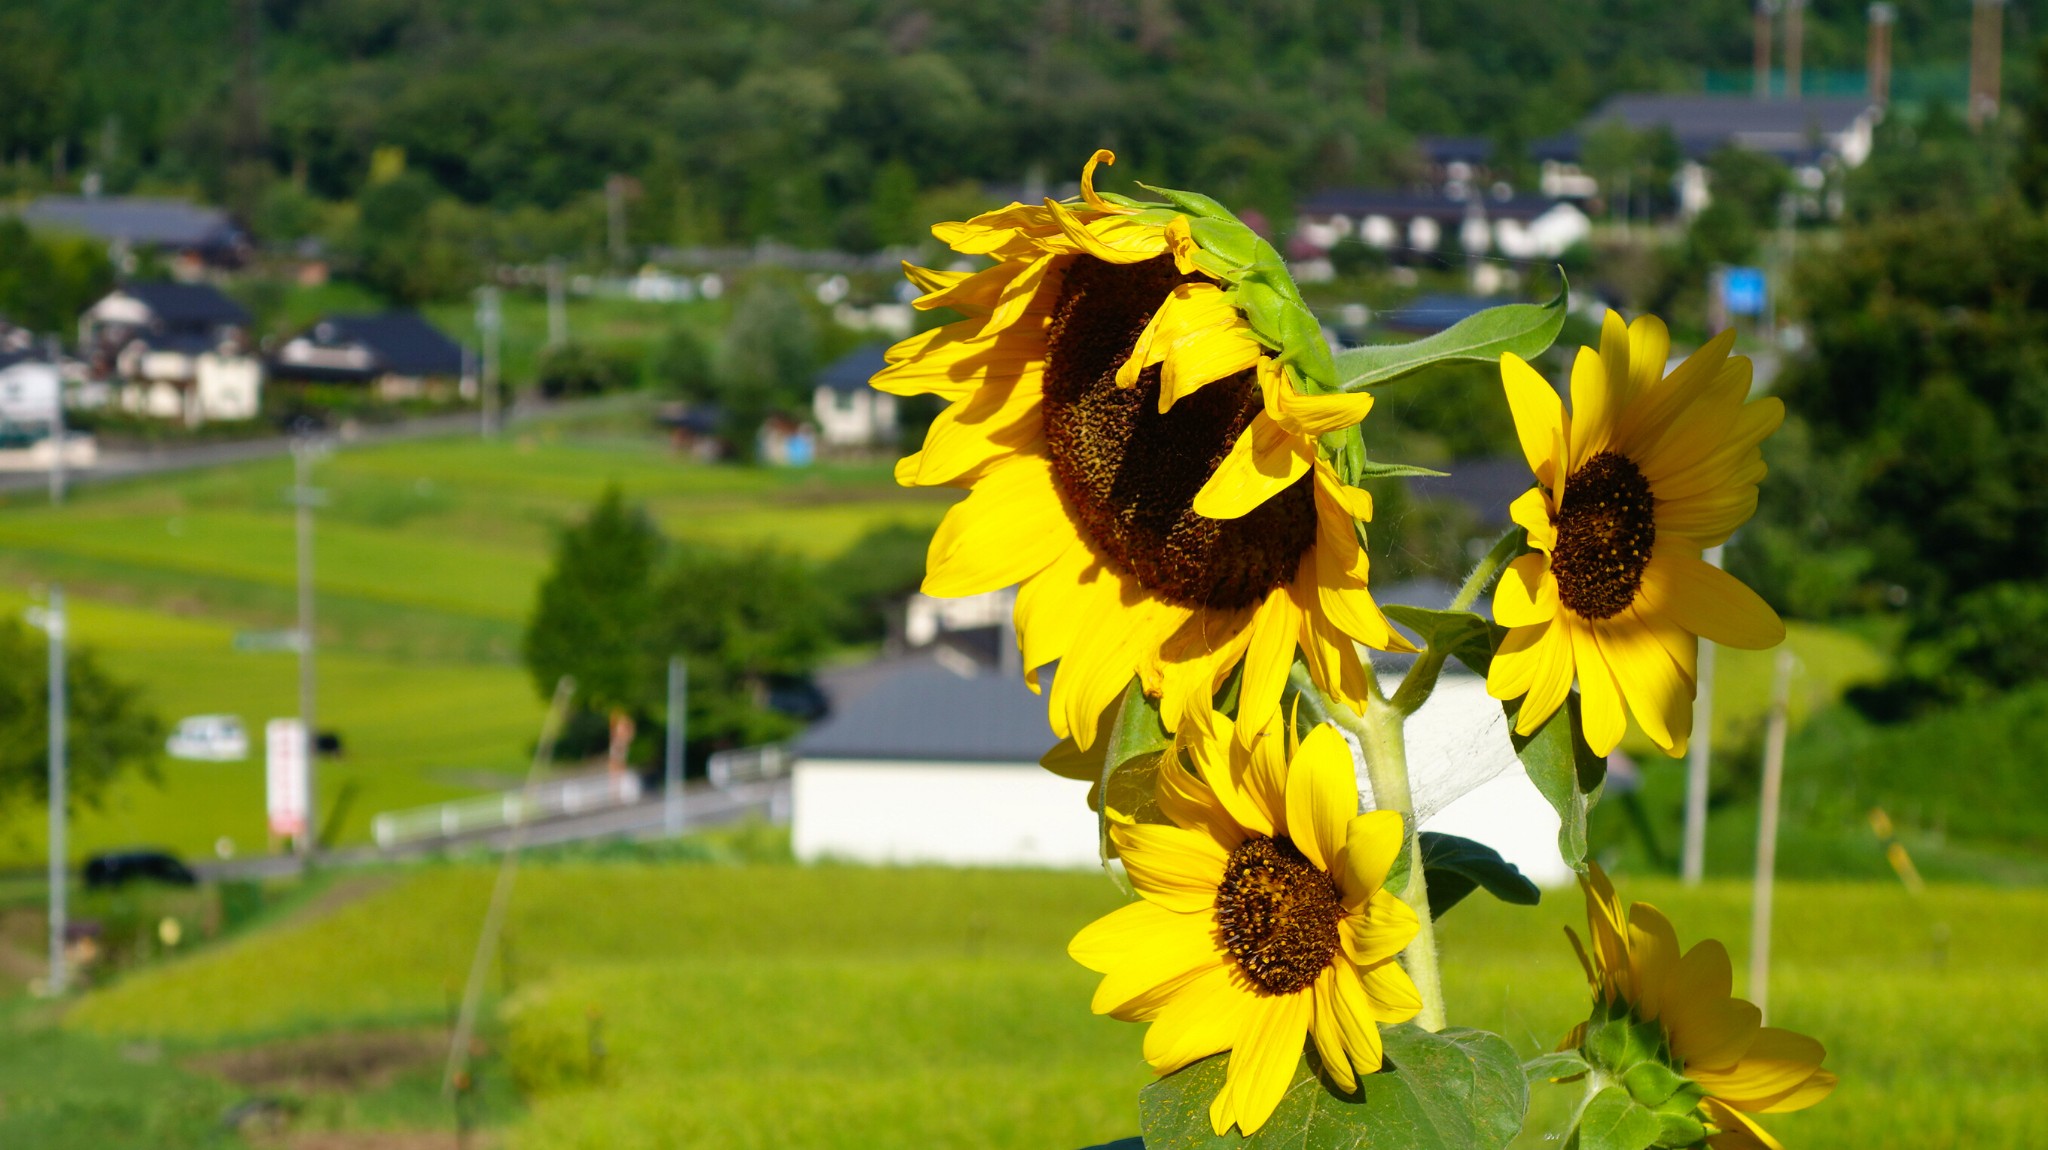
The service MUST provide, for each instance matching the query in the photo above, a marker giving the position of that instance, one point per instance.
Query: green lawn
(428, 557)
(843, 1007)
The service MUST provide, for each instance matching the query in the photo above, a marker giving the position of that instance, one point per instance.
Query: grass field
(839, 1007)
(428, 557)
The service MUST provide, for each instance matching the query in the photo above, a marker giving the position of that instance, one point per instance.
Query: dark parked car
(116, 868)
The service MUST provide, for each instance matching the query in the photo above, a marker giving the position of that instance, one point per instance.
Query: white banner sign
(284, 745)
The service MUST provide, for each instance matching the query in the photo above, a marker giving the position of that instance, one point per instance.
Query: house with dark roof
(1812, 135)
(1407, 225)
(194, 235)
(928, 759)
(396, 354)
(852, 416)
(175, 351)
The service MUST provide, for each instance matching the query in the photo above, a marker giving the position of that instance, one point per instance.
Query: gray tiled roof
(137, 220)
(914, 708)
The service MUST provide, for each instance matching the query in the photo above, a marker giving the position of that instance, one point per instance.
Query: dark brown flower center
(1278, 914)
(1130, 474)
(1606, 526)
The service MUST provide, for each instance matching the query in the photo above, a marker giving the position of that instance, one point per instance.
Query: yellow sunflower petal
(1805, 1094)
(1738, 1131)
(932, 279)
(1356, 1019)
(1710, 518)
(1658, 695)
(1531, 512)
(1649, 348)
(1710, 1032)
(1144, 952)
(1264, 777)
(1650, 414)
(1390, 994)
(1601, 713)
(1266, 460)
(1594, 399)
(1550, 675)
(1322, 796)
(1707, 601)
(1266, 662)
(1777, 1062)
(1088, 196)
(1315, 414)
(1381, 929)
(980, 432)
(1171, 866)
(1205, 1016)
(1101, 663)
(1538, 414)
(1263, 1061)
(1053, 605)
(1327, 1033)
(1526, 594)
(1223, 764)
(1372, 841)
(1653, 952)
(1011, 527)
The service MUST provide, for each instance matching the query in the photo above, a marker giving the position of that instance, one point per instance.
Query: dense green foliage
(109, 731)
(45, 281)
(824, 122)
(593, 604)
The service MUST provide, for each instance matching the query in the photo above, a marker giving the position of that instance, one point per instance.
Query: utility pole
(304, 497)
(615, 218)
(678, 720)
(1767, 836)
(53, 623)
(490, 326)
(1795, 49)
(1693, 864)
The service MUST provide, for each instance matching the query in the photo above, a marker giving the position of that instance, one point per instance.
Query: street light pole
(303, 497)
(56, 429)
(54, 624)
(490, 323)
(678, 720)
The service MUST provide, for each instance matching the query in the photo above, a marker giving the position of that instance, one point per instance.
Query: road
(118, 465)
(703, 806)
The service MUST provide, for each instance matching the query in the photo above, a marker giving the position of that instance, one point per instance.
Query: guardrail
(748, 764)
(581, 795)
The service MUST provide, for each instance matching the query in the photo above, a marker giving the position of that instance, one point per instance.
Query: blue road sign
(1743, 291)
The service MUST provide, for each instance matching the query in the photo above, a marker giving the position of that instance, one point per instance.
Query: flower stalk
(1381, 736)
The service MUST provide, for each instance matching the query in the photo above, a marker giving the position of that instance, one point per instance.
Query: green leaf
(1456, 1090)
(1565, 769)
(1564, 1064)
(1396, 882)
(1613, 1121)
(1193, 203)
(1463, 635)
(1454, 867)
(1525, 329)
(1130, 765)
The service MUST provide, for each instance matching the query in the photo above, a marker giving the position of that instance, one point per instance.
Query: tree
(110, 731)
(770, 352)
(593, 613)
(747, 624)
(682, 367)
(45, 281)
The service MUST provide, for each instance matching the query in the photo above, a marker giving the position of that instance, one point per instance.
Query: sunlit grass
(778, 1006)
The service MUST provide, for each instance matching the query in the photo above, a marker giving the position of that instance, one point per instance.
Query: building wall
(229, 386)
(28, 392)
(961, 814)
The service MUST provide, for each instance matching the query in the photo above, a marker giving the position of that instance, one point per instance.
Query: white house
(396, 354)
(177, 351)
(849, 413)
(1411, 224)
(29, 387)
(923, 761)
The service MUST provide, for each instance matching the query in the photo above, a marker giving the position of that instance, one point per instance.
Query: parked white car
(209, 739)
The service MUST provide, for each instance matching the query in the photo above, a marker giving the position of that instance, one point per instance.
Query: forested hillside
(821, 122)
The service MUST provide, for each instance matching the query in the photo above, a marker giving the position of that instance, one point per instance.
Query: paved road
(117, 465)
(703, 806)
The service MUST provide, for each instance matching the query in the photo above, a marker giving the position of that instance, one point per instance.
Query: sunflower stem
(1380, 734)
(1503, 551)
(1422, 675)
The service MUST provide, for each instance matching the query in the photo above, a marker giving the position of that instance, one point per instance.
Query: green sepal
(1453, 867)
(1680, 1129)
(1369, 470)
(1618, 1043)
(1614, 1121)
(1566, 771)
(1524, 329)
(1194, 204)
(1458, 1089)
(1227, 240)
(1559, 1066)
(1652, 1083)
(1396, 882)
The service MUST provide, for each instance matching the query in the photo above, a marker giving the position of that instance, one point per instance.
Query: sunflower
(1644, 473)
(1128, 408)
(1262, 919)
(1653, 1003)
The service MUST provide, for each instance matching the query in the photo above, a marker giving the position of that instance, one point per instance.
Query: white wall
(963, 814)
(28, 392)
(229, 386)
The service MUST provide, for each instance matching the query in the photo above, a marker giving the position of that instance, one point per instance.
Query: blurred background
(366, 367)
